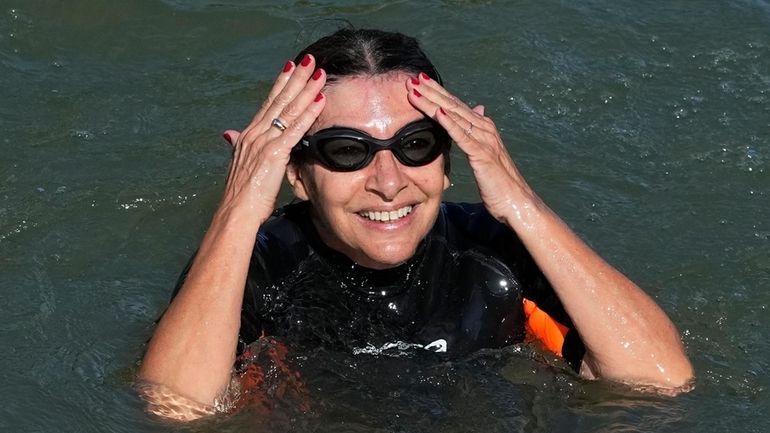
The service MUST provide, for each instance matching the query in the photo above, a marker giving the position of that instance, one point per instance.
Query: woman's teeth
(387, 216)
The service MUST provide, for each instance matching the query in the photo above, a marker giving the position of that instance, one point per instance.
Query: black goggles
(346, 149)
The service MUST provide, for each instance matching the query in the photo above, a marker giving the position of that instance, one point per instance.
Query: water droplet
(84, 134)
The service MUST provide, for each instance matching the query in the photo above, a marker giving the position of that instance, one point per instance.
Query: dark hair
(351, 52)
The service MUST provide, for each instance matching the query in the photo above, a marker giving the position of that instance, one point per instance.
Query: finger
(431, 107)
(467, 126)
(296, 83)
(303, 122)
(460, 130)
(290, 112)
(299, 104)
(280, 83)
(420, 102)
(231, 136)
(450, 101)
(437, 95)
(289, 138)
(425, 79)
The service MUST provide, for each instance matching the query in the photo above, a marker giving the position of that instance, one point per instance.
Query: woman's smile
(385, 215)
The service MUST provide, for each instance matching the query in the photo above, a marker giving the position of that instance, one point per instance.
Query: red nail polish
(317, 74)
(318, 97)
(424, 76)
(415, 81)
(306, 60)
(416, 93)
(442, 111)
(226, 136)
(288, 66)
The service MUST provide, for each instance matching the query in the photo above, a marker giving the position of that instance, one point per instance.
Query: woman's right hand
(262, 150)
(192, 351)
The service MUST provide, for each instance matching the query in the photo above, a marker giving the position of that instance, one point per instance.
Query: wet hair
(351, 52)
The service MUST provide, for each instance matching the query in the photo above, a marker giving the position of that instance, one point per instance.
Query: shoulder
(286, 224)
(470, 225)
(472, 217)
(283, 241)
(469, 228)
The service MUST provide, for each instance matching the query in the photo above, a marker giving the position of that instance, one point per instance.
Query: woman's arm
(628, 338)
(193, 348)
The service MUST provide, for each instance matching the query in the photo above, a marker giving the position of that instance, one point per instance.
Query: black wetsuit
(461, 291)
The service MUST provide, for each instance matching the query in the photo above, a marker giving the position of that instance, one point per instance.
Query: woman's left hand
(500, 184)
(627, 336)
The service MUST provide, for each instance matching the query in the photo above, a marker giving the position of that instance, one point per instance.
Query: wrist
(234, 225)
(246, 216)
(509, 198)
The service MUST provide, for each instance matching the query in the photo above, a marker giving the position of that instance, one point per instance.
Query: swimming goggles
(346, 149)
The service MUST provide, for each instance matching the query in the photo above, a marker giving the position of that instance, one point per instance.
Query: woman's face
(348, 206)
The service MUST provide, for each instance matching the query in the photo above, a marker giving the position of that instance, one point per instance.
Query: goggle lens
(343, 152)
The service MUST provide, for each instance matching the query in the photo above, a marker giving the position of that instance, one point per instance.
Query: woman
(372, 119)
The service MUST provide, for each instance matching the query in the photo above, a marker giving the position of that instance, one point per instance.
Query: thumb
(479, 109)
(231, 136)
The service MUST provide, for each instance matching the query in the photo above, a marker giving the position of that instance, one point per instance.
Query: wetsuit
(464, 289)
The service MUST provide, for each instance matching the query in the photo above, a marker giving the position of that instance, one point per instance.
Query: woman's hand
(262, 150)
(628, 338)
(499, 181)
(193, 349)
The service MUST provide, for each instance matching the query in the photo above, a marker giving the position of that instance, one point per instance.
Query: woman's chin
(384, 258)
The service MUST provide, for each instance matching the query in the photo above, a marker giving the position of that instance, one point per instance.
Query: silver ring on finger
(470, 130)
(278, 123)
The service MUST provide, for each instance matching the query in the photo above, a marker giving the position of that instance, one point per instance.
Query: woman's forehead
(377, 105)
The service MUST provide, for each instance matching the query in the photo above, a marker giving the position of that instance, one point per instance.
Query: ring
(278, 124)
(470, 130)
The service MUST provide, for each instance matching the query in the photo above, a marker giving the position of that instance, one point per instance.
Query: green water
(646, 125)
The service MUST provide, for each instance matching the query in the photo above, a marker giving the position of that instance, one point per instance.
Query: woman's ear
(295, 177)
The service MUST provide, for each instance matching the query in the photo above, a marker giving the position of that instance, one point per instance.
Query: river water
(646, 125)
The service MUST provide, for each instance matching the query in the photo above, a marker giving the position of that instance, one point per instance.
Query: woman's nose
(386, 176)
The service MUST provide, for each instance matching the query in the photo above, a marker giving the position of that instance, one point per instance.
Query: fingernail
(306, 60)
(416, 93)
(415, 81)
(288, 66)
(317, 74)
(442, 111)
(424, 76)
(226, 136)
(318, 97)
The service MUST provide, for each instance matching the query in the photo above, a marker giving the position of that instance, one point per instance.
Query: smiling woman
(371, 259)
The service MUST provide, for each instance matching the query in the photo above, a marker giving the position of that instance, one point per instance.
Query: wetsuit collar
(375, 284)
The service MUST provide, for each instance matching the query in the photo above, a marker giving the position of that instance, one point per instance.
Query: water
(646, 125)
